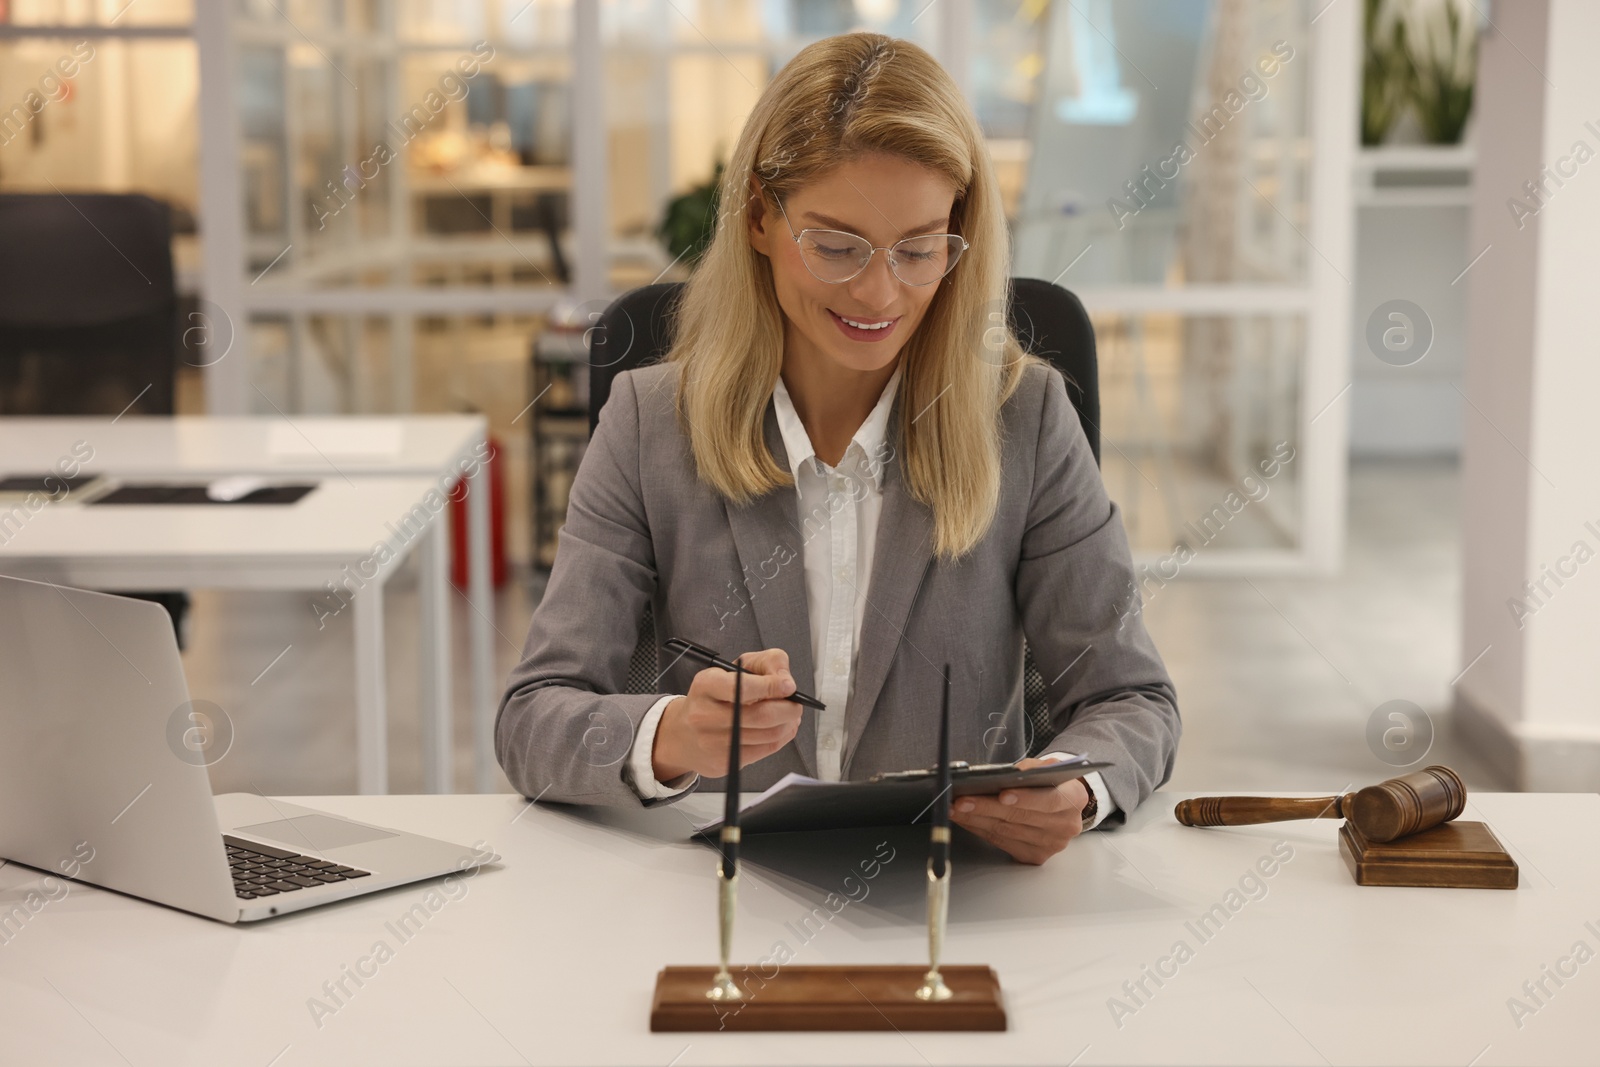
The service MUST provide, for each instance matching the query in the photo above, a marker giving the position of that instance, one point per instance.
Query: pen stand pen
(842, 997)
(786, 996)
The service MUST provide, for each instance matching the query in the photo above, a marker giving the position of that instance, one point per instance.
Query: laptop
(102, 781)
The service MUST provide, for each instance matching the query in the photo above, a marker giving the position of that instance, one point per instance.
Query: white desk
(204, 447)
(551, 957)
(298, 546)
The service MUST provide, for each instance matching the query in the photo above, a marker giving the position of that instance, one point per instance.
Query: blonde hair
(837, 100)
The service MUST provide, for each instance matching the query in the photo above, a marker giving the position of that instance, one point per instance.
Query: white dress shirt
(838, 511)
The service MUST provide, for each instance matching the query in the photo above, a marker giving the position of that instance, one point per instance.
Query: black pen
(712, 659)
(722, 986)
(730, 814)
(939, 844)
(933, 986)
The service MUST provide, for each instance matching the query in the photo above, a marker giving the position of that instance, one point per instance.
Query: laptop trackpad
(316, 832)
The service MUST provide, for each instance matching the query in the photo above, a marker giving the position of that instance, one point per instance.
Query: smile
(863, 329)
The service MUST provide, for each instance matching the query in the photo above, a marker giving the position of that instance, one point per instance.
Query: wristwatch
(1091, 809)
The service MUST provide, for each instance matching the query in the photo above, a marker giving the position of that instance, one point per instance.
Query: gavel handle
(1246, 811)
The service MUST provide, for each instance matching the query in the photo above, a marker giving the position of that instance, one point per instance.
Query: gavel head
(1406, 805)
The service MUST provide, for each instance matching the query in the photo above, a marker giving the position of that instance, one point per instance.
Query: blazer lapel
(900, 559)
(771, 551)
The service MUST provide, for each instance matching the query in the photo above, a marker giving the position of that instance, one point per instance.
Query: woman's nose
(875, 287)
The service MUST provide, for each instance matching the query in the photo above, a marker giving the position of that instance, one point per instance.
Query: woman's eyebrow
(927, 227)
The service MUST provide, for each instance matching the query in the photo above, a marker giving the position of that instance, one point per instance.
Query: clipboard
(897, 798)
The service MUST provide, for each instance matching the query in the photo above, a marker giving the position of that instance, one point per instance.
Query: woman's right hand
(693, 734)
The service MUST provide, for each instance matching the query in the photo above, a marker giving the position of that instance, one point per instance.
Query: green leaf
(691, 219)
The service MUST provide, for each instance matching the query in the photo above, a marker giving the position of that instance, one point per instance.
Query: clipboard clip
(957, 766)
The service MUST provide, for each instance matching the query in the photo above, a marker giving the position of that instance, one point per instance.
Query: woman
(846, 473)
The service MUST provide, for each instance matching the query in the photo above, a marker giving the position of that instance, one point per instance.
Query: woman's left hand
(1031, 824)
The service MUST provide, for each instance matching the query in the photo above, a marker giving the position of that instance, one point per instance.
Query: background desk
(551, 957)
(323, 537)
(315, 446)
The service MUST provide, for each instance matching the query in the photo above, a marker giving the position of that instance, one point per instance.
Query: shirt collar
(869, 438)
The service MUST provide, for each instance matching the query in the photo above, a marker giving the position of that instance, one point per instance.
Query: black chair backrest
(88, 309)
(1049, 321)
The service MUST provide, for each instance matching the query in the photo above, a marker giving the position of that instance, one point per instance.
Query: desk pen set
(825, 996)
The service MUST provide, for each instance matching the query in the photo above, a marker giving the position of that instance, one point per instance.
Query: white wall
(1531, 433)
(1410, 253)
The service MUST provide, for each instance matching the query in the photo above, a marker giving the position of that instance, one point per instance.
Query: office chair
(1048, 321)
(88, 313)
(88, 307)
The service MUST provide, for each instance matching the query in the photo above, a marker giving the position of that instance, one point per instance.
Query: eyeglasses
(836, 256)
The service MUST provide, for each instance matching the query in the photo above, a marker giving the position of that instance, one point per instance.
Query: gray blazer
(641, 529)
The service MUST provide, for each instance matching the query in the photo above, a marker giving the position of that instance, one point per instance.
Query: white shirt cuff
(639, 771)
(1096, 786)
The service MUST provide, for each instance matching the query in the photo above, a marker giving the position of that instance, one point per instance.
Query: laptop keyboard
(262, 871)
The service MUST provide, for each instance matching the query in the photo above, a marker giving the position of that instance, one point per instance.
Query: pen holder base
(828, 998)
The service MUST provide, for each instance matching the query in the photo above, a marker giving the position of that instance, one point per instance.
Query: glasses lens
(924, 260)
(833, 255)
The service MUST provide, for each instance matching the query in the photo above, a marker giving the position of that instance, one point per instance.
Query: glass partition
(391, 146)
(680, 79)
(1199, 413)
(100, 112)
(1171, 143)
(1168, 183)
(427, 184)
(98, 13)
(91, 114)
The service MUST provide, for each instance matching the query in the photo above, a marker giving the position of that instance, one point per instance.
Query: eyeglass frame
(875, 249)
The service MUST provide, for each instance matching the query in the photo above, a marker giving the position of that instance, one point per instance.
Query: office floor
(1277, 679)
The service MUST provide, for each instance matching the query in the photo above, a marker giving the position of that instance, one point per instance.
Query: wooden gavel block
(1399, 832)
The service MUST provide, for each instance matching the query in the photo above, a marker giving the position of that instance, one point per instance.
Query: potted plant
(691, 219)
(1444, 62)
(1386, 73)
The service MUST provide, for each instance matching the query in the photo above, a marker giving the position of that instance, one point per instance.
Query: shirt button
(830, 743)
(837, 666)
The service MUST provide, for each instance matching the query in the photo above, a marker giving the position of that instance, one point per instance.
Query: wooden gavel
(1383, 812)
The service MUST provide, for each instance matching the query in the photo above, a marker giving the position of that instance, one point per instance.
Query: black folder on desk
(798, 802)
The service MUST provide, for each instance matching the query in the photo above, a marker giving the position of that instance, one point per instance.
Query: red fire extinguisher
(497, 524)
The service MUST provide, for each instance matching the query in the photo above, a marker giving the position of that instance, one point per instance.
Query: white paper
(782, 783)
